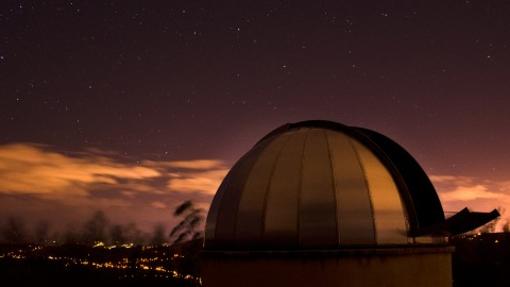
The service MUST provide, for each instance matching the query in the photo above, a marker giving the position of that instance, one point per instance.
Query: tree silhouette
(133, 234)
(191, 219)
(70, 235)
(41, 232)
(118, 234)
(14, 231)
(158, 235)
(506, 227)
(491, 226)
(185, 238)
(95, 228)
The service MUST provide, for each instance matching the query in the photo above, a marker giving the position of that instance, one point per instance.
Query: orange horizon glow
(147, 190)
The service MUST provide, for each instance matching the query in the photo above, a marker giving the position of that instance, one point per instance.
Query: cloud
(34, 169)
(159, 204)
(464, 188)
(441, 179)
(204, 181)
(457, 192)
(469, 193)
(196, 164)
(38, 180)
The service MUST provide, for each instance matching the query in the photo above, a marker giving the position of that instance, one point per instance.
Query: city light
(151, 261)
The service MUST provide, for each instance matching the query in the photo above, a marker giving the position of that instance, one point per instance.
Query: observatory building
(318, 203)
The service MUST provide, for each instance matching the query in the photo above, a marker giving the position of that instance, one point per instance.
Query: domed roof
(320, 184)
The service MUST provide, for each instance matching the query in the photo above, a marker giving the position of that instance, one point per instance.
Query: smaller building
(320, 203)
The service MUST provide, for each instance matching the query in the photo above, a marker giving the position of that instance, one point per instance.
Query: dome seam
(268, 188)
(236, 213)
(300, 191)
(332, 172)
(367, 186)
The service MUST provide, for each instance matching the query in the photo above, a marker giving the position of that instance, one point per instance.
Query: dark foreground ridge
(478, 260)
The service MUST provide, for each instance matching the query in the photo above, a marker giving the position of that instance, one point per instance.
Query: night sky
(133, 106)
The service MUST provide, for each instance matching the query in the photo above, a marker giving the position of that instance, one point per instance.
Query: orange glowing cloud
(457, 192)
(463, 188)
(37, 181)
(204, 181)
(33, 169)
(38, 170)
(159, 204)
(469, 193)
(201, 164)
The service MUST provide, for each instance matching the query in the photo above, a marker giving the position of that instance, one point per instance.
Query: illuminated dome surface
(322, 185)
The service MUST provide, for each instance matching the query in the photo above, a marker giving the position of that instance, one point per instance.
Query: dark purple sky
(109, 105)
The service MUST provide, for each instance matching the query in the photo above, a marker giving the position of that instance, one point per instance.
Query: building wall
(415, 269)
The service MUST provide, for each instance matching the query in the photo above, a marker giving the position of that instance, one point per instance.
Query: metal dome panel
(354, 215)
(321, 185)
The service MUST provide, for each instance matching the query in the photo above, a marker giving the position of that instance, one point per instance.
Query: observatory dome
(322, 185)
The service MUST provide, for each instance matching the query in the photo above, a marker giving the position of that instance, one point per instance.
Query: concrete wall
(400, 269)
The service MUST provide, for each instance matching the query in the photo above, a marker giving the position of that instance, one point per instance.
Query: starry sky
(133, 106)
